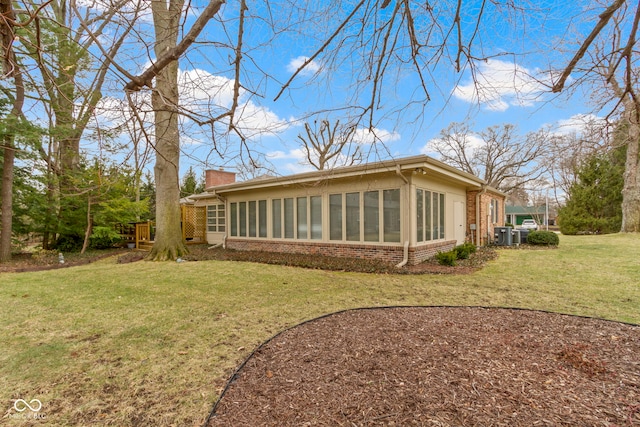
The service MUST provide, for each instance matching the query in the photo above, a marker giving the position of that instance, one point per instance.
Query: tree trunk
(10, 68)
(631, 189)
(168, 240)
(7, 200)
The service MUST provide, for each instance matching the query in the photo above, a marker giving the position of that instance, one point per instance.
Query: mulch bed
(440, 366)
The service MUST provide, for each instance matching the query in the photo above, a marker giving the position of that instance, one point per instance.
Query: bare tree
(569, 150)
(167, 18)
(330, 145)
(497, 154)
(608, 58)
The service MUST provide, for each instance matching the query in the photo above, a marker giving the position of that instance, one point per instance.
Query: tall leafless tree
(497, 154)
(328, 145)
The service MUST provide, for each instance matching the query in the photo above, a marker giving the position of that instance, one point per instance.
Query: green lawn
(154, 343)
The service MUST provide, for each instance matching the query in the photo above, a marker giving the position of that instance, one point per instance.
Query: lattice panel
(194, 221)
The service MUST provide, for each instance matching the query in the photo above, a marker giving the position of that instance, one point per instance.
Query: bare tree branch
(146, 78)
(597, 29)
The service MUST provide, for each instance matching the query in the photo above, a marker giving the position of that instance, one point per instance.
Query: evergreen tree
(190, 184)
(594, 201)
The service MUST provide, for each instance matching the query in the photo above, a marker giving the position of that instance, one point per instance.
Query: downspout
(405, 255)
(405, 258)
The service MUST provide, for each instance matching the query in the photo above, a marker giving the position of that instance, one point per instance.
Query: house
(402, 210)
(516, 214)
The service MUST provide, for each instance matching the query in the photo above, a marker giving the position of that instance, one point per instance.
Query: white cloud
(435, 146)
(579, 124)
(311, 68)
(366, 136)
(203, 96)
(203, 89)
(290, 162)
(499, 85)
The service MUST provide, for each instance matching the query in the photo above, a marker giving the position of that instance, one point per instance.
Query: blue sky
(511, 80)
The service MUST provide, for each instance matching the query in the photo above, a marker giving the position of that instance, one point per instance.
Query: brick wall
(214, 178)
(388, 253)
(483, 223)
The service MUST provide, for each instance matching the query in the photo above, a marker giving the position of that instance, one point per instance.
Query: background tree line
(66, 169)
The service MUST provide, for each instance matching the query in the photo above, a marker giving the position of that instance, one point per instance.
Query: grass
(153, 343)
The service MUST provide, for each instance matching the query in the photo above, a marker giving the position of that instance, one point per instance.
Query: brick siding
(388, 253)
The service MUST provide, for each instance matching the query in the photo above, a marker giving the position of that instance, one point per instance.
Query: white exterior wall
(388, 181)
(452, 194)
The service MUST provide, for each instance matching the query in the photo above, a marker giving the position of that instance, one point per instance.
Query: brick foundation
(388, 253)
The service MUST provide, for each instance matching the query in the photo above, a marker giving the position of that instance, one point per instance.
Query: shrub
(104, 238)
(69, 243)
(465, 250)
(447, 258)
(541, 237)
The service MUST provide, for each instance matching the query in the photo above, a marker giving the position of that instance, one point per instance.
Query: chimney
(214, 178)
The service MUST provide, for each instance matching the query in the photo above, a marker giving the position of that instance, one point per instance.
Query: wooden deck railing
(143, 233)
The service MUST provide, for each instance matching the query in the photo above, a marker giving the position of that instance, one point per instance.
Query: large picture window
(248, 219)
(300, 218)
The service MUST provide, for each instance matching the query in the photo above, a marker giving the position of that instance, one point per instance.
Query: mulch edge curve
(236, 372)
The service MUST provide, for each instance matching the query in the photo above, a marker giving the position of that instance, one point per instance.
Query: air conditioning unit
(502, 236)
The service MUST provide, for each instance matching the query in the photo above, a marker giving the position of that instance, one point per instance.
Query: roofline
(392, 165)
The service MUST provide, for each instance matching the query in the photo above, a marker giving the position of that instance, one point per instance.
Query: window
(391, 215)
(434, 223)
(420, 215)
(371, 217)
(215, 218)
(427, 215)
(301, 203)
(315, 218)
(353, 216)
(234, 219)
(242, 218)
(430, 215)
(335, 217)
(494, 211)
(252, 219)
(262, 218)
(288, 218)
(276, 218)
(441, 217)
(248, 219)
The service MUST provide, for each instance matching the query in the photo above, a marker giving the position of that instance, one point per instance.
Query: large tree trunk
(631, 189)
(168, 240)
(10, 68)
(7, 200)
